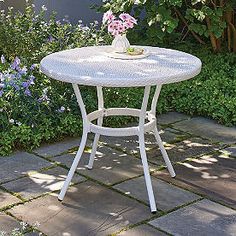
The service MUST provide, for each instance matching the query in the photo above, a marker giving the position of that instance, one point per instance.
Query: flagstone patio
(111, 199)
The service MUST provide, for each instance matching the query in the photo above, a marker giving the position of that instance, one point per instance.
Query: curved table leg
(157, 136)
(82, 144)
(97, 136)
(143, 151)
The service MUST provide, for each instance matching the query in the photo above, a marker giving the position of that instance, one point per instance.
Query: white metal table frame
(139, 130)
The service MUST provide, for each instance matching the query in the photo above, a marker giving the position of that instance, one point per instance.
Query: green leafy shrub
(167, 20)
(211, 94)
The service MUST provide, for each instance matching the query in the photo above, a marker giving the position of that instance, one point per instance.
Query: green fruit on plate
(135, 51)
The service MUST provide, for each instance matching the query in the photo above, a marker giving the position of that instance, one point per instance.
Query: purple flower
(3, 60)
(27, 92)
(1, 93)
(25, 84)
(16, 86)
(22, 71)
(2, 85)
(31, 79)
(33, 66)
(44, 98)
(15, 64)
(13, 76)
(50, 39)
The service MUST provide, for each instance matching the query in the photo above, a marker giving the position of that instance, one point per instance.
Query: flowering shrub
(118, 26)
(31, 37)
(17, 78)
(34, 108)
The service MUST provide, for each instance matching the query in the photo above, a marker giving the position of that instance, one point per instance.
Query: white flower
(23, 225)
(44, 8)
(11, 121)
(18, 123)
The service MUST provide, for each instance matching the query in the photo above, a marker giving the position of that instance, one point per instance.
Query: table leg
(164, 153)
(143, 151)
(97, 136)
(157, 136)
(82, 143)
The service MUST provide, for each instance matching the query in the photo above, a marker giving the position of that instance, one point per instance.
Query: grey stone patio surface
(111, 199)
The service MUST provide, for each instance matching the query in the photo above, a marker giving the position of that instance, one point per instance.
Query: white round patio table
(91, 66)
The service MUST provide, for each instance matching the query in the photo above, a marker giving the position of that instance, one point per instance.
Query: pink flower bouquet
(120, 25)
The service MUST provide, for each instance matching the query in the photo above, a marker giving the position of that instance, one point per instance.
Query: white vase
(120, 43)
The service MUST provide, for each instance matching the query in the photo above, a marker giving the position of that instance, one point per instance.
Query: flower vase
(120, 43)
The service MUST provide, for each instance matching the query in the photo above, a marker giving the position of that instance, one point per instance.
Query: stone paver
(167, 196)
(40, 183)
(7, 223)
(189, 148)
(88, 209)
(7, 199)
(208, 128)
(171, 117)
(49, 150)
(142, 230)
(131, 146)
(110, 166)
(199, 219)
(20, 164)
(212, 175)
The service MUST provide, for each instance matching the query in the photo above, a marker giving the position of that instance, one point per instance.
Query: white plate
(126, 56)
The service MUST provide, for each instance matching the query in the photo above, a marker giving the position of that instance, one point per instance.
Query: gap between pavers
(201, 218)
(142, 230)
(7, 199)
(230, 151)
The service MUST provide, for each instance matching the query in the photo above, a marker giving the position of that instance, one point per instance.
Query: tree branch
(186, 24)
